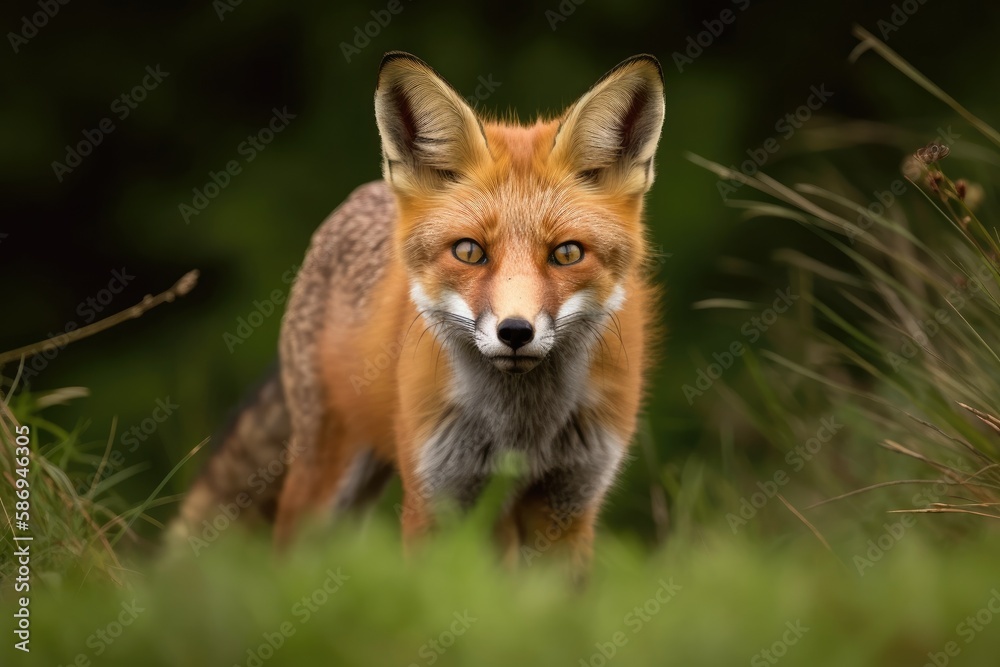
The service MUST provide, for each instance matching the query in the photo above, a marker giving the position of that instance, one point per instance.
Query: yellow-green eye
(469, 251)
(568, 253)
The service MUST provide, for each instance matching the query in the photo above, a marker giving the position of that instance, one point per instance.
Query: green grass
(721, 601)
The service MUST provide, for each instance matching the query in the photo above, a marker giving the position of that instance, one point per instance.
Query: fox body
(489, 295)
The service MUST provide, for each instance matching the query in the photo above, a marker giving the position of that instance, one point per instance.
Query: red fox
(489, 295)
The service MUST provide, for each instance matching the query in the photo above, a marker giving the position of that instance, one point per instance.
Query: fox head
(518, 239)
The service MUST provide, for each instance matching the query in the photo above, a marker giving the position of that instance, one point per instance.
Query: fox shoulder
(346, 255)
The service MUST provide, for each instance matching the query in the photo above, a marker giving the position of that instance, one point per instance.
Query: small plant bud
(974, 195)
(961, 188)
(934, 179)
(932, 152)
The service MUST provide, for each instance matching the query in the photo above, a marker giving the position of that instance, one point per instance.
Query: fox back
(489, 295)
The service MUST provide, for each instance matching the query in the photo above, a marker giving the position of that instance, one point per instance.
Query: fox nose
(515, 332)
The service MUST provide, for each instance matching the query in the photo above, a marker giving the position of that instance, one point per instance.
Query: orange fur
(519, 192)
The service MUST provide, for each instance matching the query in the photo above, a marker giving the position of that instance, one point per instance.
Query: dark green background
(120, 207)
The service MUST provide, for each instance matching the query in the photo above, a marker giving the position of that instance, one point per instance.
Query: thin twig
(180, 288)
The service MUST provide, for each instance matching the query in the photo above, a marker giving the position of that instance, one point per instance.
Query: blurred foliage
(223, 76)
(351, 600)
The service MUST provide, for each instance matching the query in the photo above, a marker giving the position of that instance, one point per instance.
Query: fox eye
(468, 251)
(568, 253)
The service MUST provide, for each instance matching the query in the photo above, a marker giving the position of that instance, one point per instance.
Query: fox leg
(415, 517)
(337, 477)
(317, 460)
(420, 499)
(444, 472)
(552, 519)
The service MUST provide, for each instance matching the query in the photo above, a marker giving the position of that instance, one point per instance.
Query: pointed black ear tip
(393, 56)
(640, 59)
(646, 58)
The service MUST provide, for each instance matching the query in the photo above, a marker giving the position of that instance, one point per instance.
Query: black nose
(515, 332)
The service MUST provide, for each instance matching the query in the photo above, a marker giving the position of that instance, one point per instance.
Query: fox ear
(610, 134)
(430, 135)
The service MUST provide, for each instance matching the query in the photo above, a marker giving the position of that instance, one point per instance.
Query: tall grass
(71, 524)
(76, 515)
(902, 334)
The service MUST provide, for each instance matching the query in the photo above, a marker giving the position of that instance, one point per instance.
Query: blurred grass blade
(870, 41)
